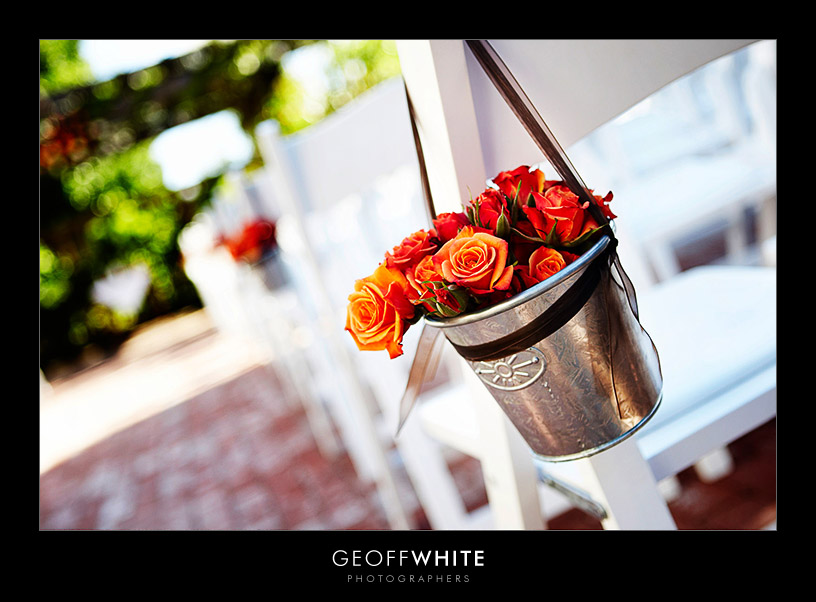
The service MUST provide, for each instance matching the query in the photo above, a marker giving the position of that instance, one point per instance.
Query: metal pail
(581, 388)
(272, 271)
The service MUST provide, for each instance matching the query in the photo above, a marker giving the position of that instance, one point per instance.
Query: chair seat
(693, 192)
(713, 327)
(722, 318)
(715, 331)
(447, 416)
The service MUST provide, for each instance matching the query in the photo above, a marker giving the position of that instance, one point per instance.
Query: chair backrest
(759, 82)
(346, 152)
(578, 85)
(354, 181)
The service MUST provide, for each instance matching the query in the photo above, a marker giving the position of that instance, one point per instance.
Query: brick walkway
(186, 428)
(235, 456)
(217, 446)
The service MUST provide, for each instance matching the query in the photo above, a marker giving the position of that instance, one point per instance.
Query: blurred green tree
(102, 202)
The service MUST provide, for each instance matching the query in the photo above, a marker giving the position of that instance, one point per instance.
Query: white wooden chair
(718, 139)
(711, 132)
(468, 132)
(349, 190)
(708, 132)
(212, 272)
(241, 304)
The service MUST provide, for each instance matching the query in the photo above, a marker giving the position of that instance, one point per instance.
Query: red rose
(603, 203)
(410, 250)
(560, 208)
(522, 181)
(520, 245)
(254, 239)
(488, 207)
(447, 225)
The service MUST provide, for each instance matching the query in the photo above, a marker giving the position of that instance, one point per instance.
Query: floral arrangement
(253, 241)
(518, 232)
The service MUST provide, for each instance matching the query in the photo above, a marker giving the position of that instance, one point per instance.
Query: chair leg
(432, 480)
(715, 465)
(664, 261)
(622, 481)
(507, 464)
(736, 238)
(670, 488)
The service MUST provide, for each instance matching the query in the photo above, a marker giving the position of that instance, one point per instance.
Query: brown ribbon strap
(423, 170)
(525, 111)
(429, 348)
(425, 362)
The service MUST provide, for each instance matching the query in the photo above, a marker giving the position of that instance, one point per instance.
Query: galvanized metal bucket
(272, 270)
(589, 382)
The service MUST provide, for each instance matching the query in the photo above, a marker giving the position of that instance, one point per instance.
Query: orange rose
(476, 261)
(378, 310)
(410, 250)
(544, 262)
(421, 275)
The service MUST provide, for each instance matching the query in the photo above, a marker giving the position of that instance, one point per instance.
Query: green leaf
(462, 295)
(528, 237)
(503, 227)
(470, 216)
(476, 210)
(515, 208)
(435, 284)
(583, 238)
(552, 239)
(444, 311)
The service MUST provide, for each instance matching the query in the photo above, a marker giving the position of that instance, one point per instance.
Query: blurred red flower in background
(252, 242)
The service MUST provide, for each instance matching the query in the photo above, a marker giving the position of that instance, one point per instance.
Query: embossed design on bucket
(600, 376)
(512, 373)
